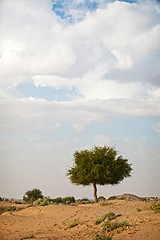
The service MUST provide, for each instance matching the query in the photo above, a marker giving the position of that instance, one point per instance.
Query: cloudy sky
(74, 74)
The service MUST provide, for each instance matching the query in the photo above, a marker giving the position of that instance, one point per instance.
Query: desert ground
(51, 222)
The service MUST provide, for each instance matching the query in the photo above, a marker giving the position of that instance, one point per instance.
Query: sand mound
(50, 222)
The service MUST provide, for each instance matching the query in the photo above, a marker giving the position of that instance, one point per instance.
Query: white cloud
(111, 58)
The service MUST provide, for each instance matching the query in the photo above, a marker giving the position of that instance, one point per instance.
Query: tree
(32, 195)
(100, 165)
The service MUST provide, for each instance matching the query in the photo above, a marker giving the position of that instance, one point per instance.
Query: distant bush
(112, 198)
(57, 200)
(66, 200)
(144, 199)
(101, 198)
(84, 201)
(18, 202)
(156, 207)
(11, 208)
(1, 199)
(41, 202)
(32, 195)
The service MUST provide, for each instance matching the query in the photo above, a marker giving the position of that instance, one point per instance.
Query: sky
(75, 74)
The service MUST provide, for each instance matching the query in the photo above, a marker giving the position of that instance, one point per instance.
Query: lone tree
(100, 165)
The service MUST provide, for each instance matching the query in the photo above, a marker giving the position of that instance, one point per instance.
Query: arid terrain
(51, 222)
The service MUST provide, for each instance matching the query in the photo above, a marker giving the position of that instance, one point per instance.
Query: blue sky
(75, 74)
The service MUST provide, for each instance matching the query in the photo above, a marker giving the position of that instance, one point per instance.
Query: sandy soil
(50, 222)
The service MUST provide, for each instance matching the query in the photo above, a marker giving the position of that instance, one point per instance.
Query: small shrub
(99, 220)
(37, 202)
(73, 223)
(11, 208)
(156, 207)
(68, 200)
(144, 199)
(109, 226)
(28, 237)
(101, 198)
(109, 216)
(102, 237)
(112, 198)
(104, 203)
(41, 202)
(18, 202)
(138, 209)
(44, 202)
(57, 200)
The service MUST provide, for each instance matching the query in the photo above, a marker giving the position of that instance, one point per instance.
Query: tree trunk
(95, 192)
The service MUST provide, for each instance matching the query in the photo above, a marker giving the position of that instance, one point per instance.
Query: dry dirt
(50, 222)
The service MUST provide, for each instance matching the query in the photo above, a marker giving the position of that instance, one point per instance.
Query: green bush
(66, 200)
(112, 198)
(57, 200)
(101, 198)
(18, 202)
(44, 202)
(41, 202)
(138, 209)
(32, 195)
(109, 216)
(11, 208)
(144, 199)
(73, 223)
(102, 237)
(109, 226)
(156, 207)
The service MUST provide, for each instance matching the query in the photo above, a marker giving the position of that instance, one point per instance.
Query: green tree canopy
(100, 165)
(32, 195)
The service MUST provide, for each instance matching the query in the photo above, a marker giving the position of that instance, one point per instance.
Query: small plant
(28, 237)
(102, 237)
(57, 200)
(156, 207)
(18, 202)
(44, 202)
(109, 216)
(37, 202)
(73, 223)
(41, 202)
(101, 198)
(112, 198)
(68, 200)
(103, 203)
(144, 199)
(101, 219)
(109, 226)
(11, 208)
(138, 209)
